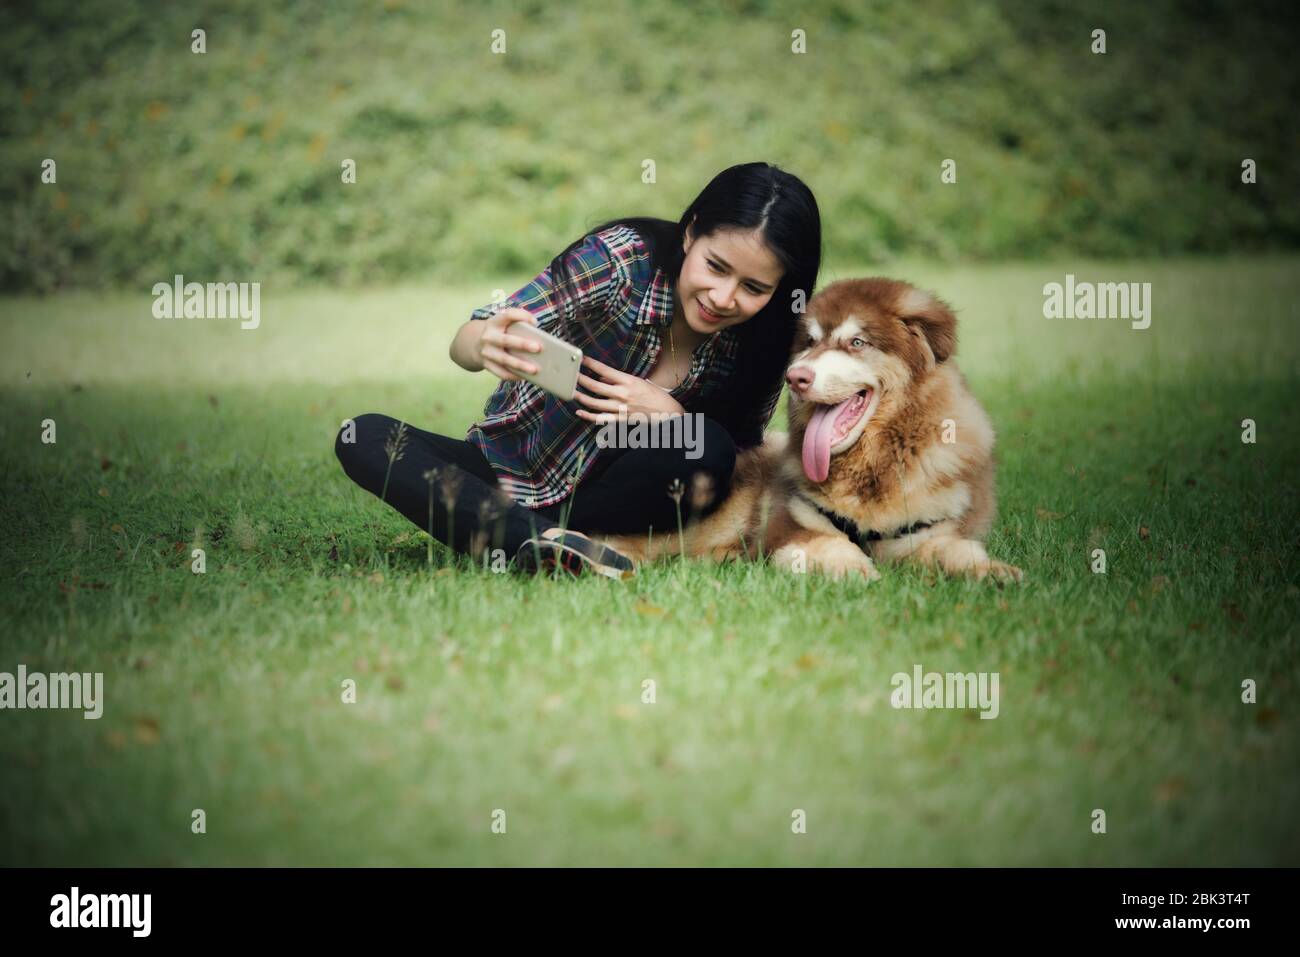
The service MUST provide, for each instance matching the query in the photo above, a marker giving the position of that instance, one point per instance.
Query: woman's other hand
(616, 394)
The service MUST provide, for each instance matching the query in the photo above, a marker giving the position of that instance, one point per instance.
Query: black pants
(446, 486)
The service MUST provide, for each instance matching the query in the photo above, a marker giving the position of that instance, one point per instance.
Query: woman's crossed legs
(446, 486)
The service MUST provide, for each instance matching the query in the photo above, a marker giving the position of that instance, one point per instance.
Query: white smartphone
(557, 364)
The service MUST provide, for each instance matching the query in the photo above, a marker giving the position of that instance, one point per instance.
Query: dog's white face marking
(837, 375)
(838, 372)
(846, 330)
(842, 369)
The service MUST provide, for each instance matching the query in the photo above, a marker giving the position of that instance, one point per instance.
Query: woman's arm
(465, 346)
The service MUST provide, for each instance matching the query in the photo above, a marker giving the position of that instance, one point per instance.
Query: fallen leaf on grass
(77, 583)
(666, 827)
(644, 607)
(1170, 788)
(147, 730)
(1266, 717)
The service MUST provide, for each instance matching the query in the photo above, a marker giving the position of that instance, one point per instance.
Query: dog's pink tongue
(817, 441)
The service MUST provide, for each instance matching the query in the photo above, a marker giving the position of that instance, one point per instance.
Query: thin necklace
(673, 347)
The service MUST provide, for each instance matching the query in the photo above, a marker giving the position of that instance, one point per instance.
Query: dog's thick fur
(922, 453)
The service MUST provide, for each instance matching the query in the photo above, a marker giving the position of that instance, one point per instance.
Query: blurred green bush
(227, 164)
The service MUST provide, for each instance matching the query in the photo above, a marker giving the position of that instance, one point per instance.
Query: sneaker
(575, 553)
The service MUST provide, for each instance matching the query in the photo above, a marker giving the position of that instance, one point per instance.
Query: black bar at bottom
(238, 905)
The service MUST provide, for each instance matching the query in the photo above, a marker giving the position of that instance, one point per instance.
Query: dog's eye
(858, 342)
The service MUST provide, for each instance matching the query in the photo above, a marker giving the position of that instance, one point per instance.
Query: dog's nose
(800, 378)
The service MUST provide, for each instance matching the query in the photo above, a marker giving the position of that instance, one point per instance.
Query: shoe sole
(547, 554)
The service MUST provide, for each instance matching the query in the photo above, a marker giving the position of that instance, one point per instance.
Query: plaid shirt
(536, 445)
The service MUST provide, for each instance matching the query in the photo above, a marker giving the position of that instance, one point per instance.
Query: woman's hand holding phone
(497, 348)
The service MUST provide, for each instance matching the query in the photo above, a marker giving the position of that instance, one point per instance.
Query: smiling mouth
(708, 313)
(828, 426)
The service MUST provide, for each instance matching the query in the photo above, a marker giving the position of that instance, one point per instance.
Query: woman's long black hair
(744, 197)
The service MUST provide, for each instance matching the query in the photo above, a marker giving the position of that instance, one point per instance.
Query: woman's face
(727, 277)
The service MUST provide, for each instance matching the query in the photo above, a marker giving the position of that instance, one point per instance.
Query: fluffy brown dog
(888, 457)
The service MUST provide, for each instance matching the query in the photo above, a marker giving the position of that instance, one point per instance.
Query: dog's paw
(833, 557)
(869, 572)
(998, 571)
(857, 571)
(853, 572)
(851, 567)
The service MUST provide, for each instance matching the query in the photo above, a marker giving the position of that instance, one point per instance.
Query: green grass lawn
(478, 691)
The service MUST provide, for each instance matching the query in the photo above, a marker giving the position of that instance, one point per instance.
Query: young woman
(696, 316)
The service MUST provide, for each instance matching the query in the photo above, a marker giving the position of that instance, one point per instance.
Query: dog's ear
(931, 320)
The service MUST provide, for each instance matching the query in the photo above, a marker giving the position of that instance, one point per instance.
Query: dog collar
(851, 530)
